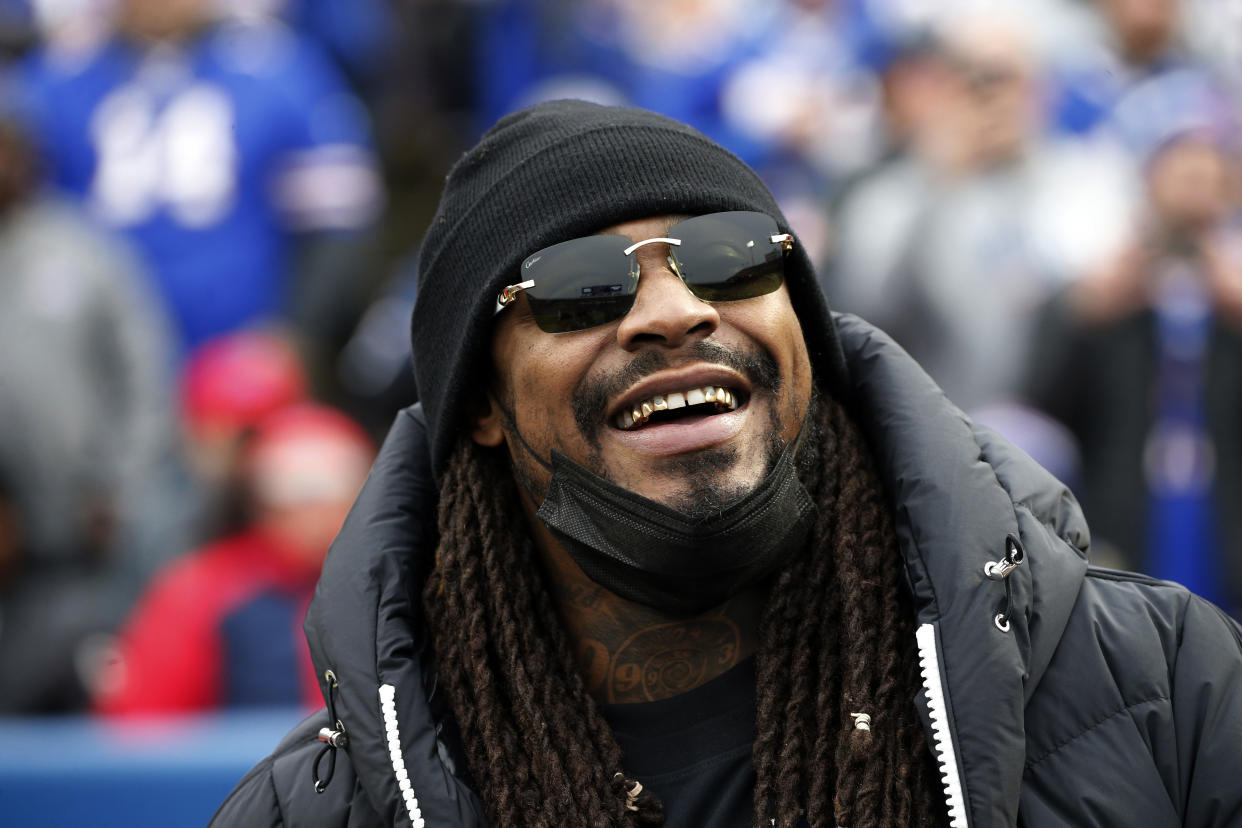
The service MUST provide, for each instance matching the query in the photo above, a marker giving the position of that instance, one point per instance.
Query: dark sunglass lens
(565, 315)
(729, 256)
(580, 283)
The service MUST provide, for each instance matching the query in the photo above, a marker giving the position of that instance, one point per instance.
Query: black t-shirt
(693, 750)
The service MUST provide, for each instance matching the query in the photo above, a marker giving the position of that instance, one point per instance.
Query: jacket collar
(365, 624)
(959, 491)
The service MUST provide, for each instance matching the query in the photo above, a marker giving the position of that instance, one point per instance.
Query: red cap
(235, 380)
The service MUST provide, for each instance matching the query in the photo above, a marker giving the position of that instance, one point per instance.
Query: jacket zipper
(942, 734)
(388, 707)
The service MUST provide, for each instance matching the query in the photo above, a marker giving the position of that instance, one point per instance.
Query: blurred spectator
(914, 77)
(1136, 40)
(1145, 32)
(913, 83)
(618, 51)
(228, 386)
(12, 534)
(52, 619)
(356, 33)
(210, 143)
(88, 443)
(1213, 32)
(375, 369)
(955, 243)
(1143, 361)
(222, 626)
(807, 98)
(67, 27)
(17, 28)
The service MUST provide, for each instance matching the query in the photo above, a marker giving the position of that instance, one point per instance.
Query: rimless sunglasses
(582, 283)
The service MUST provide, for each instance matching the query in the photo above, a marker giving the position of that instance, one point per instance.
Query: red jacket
(220, 627)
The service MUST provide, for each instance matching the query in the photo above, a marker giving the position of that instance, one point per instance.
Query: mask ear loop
(511, 425)
(800, 437)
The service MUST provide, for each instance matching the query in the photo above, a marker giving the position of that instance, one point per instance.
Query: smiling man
(722, 384)
(668, 543)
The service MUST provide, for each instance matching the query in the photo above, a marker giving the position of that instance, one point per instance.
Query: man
(1143, 360)
(708, 551)
(88, 443)
(217, 627)
(228, 152)
(954, 247)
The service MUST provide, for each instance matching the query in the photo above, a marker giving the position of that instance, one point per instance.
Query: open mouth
(701, 401)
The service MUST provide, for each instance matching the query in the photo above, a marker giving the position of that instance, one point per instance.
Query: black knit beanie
(554, 172)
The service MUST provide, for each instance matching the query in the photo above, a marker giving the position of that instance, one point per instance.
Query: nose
(665, 312)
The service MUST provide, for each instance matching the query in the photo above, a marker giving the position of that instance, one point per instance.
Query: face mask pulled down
(654, 555)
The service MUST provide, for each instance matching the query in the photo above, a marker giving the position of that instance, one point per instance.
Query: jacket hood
(960, 491)
(365, 625)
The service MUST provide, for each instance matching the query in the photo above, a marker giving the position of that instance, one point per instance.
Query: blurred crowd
(210, 214)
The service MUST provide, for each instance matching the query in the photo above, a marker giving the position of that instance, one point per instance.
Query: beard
(708, 489)
(708, 494)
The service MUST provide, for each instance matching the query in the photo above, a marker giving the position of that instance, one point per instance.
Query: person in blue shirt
(1142, 358)
(211, 144)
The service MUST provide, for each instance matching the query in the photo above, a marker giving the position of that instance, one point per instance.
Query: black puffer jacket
(1109, 700)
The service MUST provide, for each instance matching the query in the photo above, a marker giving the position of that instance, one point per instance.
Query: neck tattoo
(630, 653)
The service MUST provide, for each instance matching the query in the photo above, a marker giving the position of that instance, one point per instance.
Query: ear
(486, 419)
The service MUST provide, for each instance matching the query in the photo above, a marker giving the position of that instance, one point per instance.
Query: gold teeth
(723, 398)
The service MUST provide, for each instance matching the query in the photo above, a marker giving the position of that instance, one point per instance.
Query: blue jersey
(208, 155)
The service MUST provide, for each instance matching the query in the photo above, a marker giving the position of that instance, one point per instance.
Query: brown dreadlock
(836, 638)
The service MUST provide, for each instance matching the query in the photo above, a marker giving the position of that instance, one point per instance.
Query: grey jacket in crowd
(1055, 695)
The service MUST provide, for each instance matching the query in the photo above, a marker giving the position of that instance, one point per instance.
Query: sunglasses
(582, 283)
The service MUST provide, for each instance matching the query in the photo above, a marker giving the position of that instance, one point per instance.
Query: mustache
(591, 396)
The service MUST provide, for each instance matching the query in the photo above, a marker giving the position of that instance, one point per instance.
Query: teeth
(724, 399)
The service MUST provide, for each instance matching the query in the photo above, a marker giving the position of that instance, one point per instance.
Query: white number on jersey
(181, 157)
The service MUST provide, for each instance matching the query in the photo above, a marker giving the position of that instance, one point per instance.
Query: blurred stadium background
(210, 216)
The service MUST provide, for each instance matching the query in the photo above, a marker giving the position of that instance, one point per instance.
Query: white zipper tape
(942, 733)
(388, 706)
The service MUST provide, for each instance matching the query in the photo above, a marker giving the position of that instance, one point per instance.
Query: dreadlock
(836, 639)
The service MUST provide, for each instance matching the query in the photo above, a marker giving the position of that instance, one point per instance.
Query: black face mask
(649, 553)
